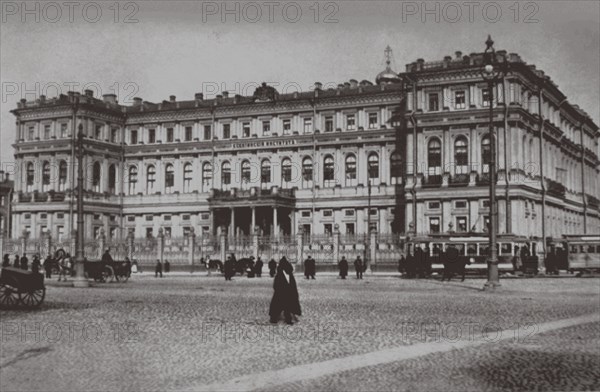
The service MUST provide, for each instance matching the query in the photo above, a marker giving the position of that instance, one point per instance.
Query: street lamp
(492, 72)
(80, 280)
(368, 240)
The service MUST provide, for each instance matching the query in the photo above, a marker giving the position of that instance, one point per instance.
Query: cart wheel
(34, 298)
(108, 275)
(123, 278)
(9, 296)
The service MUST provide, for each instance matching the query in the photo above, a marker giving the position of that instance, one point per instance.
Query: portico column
(275, 225)
(232, 223)
(253, 225)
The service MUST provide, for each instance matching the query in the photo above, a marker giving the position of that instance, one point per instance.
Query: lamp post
(492, 72)
(80, 280)
(368, 240)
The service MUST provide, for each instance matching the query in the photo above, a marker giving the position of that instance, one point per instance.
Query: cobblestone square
(382, 333)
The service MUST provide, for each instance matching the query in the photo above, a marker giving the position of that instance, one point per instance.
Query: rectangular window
(133, 137)
(149, 218)
(131, 218)
(327, 213)
(149, 232)
(96, 216)
(207, 132)
(434, 102)
(433, 205)
(350, 122)
(266, 128)
(226, 131)
(167, 218)
(306, 229)
(98, 134)
(170, 135)
(306, 214)
(46, 131)
(63, 130)
(461, 224)
(113, 233)
(185, 217)
(43, 216)
(349, 228)
(485, 97)
(113, 135)
(349, 212)
(287, 126)
(308, 125)
(459, 100)
(373, 227)
(246, 129)
(373, 121)
(113, 218)
(31, 133)
(460, 204)
(373, 211)
(434, 225)
(151, 135)
(328, 228)
(329, 124)
(60, 216)
(205, 216)
(167, 231)
(61, 233)
(188, 134)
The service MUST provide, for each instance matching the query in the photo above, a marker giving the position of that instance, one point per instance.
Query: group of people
(246, 265)
(160, 267)
(359, 267)
(61, 264)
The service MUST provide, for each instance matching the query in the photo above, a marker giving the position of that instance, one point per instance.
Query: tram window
(597, 248)
(484, 249)
(573, 249)
(461, 249)
(505, 249)
(591, 249)
(436, 249)
(582, 248)
(471, 249)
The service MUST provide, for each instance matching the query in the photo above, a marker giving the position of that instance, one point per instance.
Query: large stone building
(6, 192)
(407, 154)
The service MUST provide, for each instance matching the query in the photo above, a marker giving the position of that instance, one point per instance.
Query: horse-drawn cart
(18, 286)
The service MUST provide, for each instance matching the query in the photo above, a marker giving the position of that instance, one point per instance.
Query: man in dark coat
(229, 268)
(451, 263)
(343, 265)
(24, 262)
(258, 267)
(167, 266)
(426, 262)
(6, 261)
(272, 267)
(158, 269)
(402, 264)
(106, 257)
(358, 267)
(285, 296)
(48, 266)
(17, 262)
(310, 268)
(419, 262)
(411, 266)
(36, 264)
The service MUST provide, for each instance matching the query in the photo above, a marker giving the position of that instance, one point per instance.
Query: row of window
(461, 224)
(461, 155)
(63, 132)
(459, 99)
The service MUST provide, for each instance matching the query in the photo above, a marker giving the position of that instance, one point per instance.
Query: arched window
(62, 176)
(395, 166)
(373, 165)
(461, 155)
(30, 177)
(265, 171)
(133, 179)
(150, 179)
(434, 156)
(486, 153)
(350, 169)
(187, 178)
(169, 178)
(328, 171)
(226, 173)
(246, 173)
(96, 177)
(112, 179)
(307, 171)
(286, 170)
(46, 176)
(207, 173)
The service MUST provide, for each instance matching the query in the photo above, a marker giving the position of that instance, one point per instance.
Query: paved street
(382, 333)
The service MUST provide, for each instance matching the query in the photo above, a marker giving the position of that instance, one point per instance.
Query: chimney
(318, 85)
(42, 98)
(353, 83)
(172, 98)
(219, 97)
(420, 63)
(447, 60)
(340, 86)
(458, 54)
(198, 96)
(236, 98)
(110, 98)
(89, 93)
(225, 94)
(347, 85)
(137, 101)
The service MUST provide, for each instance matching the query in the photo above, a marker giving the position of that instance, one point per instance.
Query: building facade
(408, 153)
(6, 194)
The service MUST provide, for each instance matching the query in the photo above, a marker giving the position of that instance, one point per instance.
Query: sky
(154, 49)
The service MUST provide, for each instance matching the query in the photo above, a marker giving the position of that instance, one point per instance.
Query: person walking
(167, 267)
(258, 267)
(229, 268)
(343, 266)
(6, 261)
(36, 264)
(158, 269)
(272, 267)
(402, 265)
(358, 267)
(24, 262)
(310, 268)
(63, 267)
(106, 257)
(285, 294)
(48, 266)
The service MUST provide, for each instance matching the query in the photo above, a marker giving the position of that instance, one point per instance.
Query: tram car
(574, 253)
(474, 249)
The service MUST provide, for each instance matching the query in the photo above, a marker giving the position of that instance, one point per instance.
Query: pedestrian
(36, 264)
(106, 257)
(343, 266)
(250, 267)
(24, 262)
(402, 265)
(63, 267)
(128, 266)
(358, 267)
(158, 269)
(17, 262)
(285, 294)
(167, 267)
(48, 266)
(310, 268)
(134, 267)
(426, 262)
(258, 267)
(272, 267)
(6, 261)
(229, 268)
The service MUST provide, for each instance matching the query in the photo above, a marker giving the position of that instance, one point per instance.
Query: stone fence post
(299, 245)
(373, 250)
(1, 242)
(223, 243)
(160, 245)
(101, 243)
(73, 244)
(255, 243)
(24, 236)
(191, 246)
(46, 249)
(336, 244)
(130, 246)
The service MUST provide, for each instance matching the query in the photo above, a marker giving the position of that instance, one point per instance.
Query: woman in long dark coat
(343, 264)
(285, 296)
